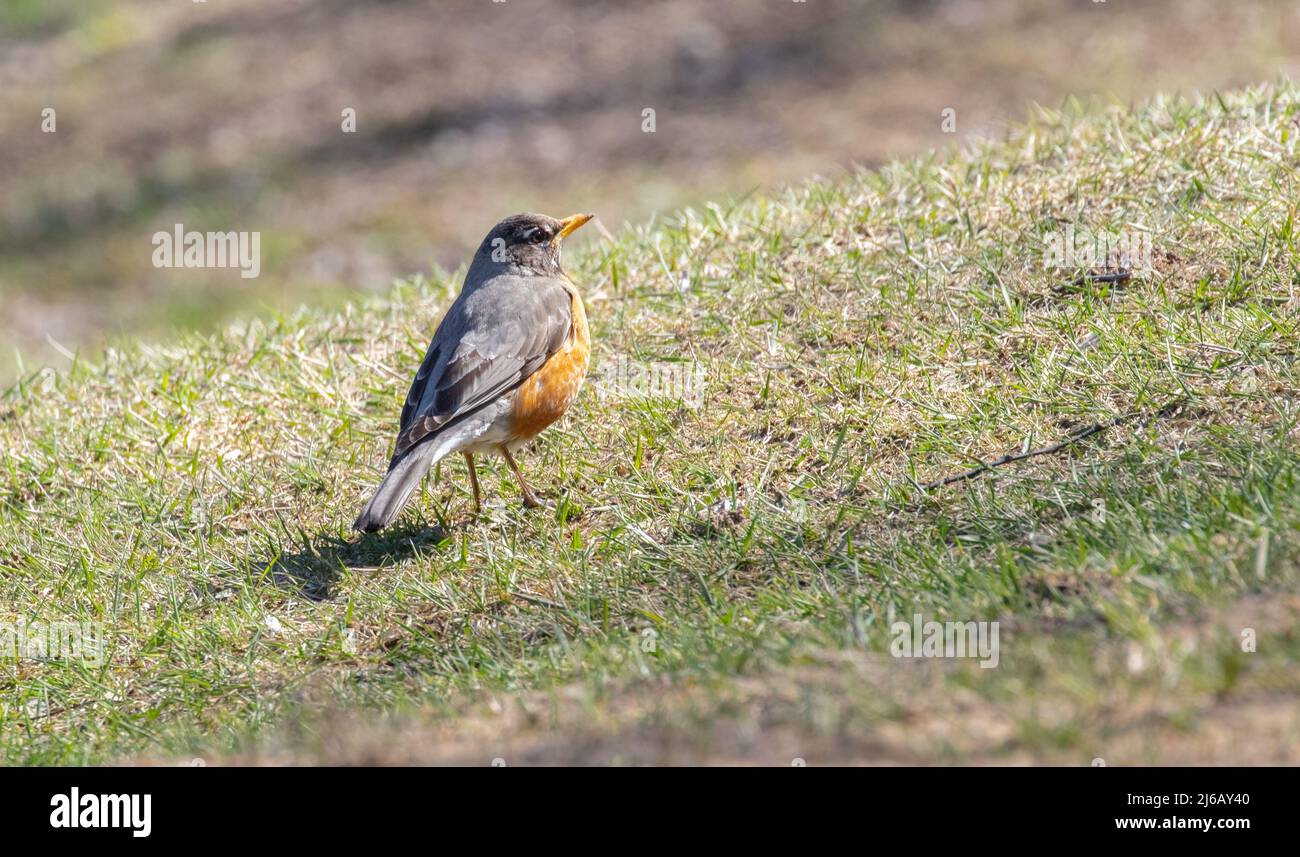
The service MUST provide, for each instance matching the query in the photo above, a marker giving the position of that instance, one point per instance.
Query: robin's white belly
(483, 433)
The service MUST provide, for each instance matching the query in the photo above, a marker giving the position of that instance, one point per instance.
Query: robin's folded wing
(490, 341)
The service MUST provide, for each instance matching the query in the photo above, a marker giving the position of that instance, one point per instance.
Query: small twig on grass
(1067, 441)
(1121, 275)
(536, 599)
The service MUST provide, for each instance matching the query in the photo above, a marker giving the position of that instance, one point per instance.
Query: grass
(718, 582)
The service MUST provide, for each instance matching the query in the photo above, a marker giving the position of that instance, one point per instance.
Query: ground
(467, 111)
(719, 579)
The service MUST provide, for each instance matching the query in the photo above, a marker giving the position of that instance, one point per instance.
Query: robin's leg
(530, 499)
(473, 481)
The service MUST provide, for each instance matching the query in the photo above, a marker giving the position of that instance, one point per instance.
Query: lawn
(720, 575)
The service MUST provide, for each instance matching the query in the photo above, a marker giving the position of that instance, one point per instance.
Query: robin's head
(529, 243)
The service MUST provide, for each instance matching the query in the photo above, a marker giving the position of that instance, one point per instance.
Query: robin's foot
(531, 500)
(535, 501)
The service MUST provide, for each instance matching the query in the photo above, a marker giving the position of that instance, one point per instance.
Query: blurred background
(227, 115)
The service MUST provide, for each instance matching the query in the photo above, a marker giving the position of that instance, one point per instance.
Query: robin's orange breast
(547, 393)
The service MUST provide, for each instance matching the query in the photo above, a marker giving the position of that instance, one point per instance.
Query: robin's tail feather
(403, 478)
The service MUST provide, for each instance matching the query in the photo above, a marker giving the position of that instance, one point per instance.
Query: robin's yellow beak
(572, 224)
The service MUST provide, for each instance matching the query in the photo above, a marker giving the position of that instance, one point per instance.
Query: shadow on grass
(313, 570)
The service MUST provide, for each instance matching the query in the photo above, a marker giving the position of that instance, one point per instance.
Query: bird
(507, 360)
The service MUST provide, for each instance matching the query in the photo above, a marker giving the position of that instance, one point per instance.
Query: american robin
(506, 361)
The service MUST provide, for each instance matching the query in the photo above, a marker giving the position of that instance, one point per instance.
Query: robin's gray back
(499, 331)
